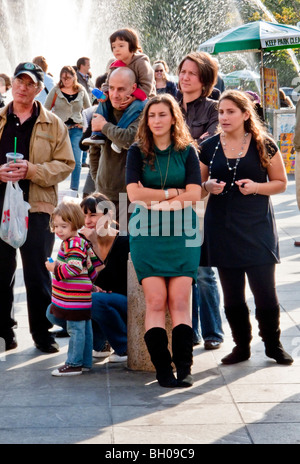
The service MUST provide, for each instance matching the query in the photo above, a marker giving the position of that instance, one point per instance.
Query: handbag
(53, 101)
(14, 221)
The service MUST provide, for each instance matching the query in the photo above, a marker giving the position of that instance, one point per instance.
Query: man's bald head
(121, 84)
(124, 73)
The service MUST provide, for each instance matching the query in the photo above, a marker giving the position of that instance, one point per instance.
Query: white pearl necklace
(233, 168)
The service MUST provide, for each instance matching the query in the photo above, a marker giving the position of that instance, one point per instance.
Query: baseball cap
(32, 70)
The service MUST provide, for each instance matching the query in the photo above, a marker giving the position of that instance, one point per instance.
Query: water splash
(60, 30)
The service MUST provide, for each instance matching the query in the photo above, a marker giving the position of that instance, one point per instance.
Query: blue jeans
(109, 316)
(75, 137)
(130, 114)
(80, 351)
(206, 306)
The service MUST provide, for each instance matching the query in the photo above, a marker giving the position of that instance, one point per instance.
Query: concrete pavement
(254, 402)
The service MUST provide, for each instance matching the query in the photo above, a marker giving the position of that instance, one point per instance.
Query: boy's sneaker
(94, 140)
(115, 148)
(106, 351)
(66, 370)
(115, 358)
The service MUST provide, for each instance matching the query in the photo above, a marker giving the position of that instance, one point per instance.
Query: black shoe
(11, 344)
(156, 340)
(186, 381)
(85, 165)
(9, 339)
(182, 347)
(212, 344)
(61, 333)
(238, 354)
(48, 347)
(166, 380)
(277, 352)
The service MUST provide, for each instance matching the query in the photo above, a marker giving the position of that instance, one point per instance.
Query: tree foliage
(169, 29)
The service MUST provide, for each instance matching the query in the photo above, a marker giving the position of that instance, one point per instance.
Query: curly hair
(180, 134)
(252, 125)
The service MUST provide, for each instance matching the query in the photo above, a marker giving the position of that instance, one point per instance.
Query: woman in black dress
(241, 167)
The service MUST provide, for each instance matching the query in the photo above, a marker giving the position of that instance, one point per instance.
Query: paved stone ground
(253, 402)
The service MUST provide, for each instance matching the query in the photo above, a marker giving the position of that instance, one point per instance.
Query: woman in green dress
(163, 180)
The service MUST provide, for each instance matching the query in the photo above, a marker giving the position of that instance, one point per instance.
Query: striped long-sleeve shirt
(72, 283)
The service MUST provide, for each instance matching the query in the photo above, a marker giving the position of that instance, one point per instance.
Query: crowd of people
(156, 150)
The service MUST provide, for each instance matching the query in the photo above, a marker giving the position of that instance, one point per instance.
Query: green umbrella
(233, 81)
(243, 75)
(255, 36)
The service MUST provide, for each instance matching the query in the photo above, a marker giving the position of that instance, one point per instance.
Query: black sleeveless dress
(239, 230)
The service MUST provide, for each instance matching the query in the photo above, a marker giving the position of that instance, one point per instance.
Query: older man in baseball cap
(43, 140)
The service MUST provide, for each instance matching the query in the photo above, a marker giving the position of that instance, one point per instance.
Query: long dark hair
(253, 124)
(180, 134)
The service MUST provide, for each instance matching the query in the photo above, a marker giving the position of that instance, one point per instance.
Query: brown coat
(51, 159)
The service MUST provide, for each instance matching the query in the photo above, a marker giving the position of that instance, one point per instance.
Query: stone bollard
(138, 355)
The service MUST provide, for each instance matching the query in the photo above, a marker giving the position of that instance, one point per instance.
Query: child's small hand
(103, 99)
(50, 266)
(128, 100)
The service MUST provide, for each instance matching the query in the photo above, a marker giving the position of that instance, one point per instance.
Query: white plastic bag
(14, 222)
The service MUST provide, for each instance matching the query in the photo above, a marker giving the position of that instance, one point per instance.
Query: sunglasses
(159, 70)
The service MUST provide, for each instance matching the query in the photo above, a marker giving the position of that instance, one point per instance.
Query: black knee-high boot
(239, 321)
(156, 340)
(269, 330)
(182, 347)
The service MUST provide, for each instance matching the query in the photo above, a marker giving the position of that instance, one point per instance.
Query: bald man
(118, 125)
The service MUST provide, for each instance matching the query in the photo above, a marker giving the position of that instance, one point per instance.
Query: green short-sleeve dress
(164, 243)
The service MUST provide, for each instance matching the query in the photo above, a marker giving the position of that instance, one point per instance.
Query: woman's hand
(161, 206)
(214, 186)
(247, 186)
(171, 205)
(97, 289)
(90, 234)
